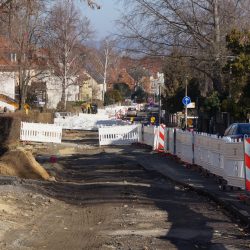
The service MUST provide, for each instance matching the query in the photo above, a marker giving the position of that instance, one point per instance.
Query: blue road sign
(186, 100)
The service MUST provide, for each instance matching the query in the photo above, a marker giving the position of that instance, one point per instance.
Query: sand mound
(21, 163)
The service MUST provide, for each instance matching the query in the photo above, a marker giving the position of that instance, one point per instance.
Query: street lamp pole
(186, 105)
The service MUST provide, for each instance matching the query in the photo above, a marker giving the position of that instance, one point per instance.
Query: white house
(54, 91)
(90, 89)
(7, 84)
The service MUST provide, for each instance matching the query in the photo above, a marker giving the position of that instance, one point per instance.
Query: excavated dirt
(21, 163)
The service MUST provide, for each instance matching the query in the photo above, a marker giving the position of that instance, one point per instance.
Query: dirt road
(102, 199)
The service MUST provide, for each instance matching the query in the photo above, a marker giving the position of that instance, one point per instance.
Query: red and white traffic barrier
(161, 138)
(247, 163)
(118, 115)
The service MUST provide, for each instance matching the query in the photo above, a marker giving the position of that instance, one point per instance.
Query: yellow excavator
(89, 108)
(7, 103)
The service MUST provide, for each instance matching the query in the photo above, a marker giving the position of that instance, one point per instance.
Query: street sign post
(186, 100)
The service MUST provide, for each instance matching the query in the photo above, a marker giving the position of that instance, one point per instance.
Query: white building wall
(72, 93)
(7, 84)
(99, 92)
(54, 92)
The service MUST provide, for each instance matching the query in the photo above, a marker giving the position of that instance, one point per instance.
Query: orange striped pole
(247, 162)
(161, 141)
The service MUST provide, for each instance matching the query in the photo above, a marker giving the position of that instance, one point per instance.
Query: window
(233, 130)
(244, 129)
(227, 130)
(13, 57)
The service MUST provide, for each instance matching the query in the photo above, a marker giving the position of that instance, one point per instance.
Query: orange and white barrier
(161, 138)
(247, 163)
(118, 115)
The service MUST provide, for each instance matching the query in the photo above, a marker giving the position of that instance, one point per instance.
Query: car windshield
(244, 129)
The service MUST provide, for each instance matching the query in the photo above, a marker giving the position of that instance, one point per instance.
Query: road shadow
(114, 177)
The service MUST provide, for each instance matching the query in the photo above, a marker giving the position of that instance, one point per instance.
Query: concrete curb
(229, 208)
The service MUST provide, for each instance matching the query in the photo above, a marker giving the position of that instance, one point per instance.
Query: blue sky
(103, 20)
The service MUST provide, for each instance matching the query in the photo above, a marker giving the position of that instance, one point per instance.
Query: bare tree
(196, 27)
(24, 40)
(93, 4)
(107, 56)
(5, 3)
(66, 33)
(103, 59)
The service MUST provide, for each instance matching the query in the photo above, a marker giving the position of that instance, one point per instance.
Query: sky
(102, 20)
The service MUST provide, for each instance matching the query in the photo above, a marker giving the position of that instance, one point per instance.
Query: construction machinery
(8, 104)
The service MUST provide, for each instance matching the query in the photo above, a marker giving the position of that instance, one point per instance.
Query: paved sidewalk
(195, 180)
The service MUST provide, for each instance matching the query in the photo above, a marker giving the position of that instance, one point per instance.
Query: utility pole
(159, 103)
(107, 54)
(186, 105)
(105, 74)
(160, 80)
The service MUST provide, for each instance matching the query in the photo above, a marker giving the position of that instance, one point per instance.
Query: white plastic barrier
(113, 110)
(39, 132)
(184, 146)
(233, 153)
(86, 121)
(208, 153)
(119, 135)
(63, 114)
(149, 135)
(221, 156)
(170, 140)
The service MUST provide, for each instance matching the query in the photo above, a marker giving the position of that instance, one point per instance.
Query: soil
(102, 199)
(21, 163)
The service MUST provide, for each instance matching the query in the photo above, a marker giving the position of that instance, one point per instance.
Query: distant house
(7, 84)
(90, 89)
(120, 76)
(153, 86)
(121, 72)
(7, 69)
(45, 89)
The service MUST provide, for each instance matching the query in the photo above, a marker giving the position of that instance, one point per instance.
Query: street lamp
(231, 58)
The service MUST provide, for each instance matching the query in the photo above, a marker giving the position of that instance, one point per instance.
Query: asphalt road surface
(102, 199)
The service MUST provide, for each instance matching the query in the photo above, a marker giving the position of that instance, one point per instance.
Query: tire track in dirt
(62, 226)
(106, 201)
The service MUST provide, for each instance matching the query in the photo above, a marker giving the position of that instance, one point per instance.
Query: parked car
(131, 112)
(152, 108)
(238, 130)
